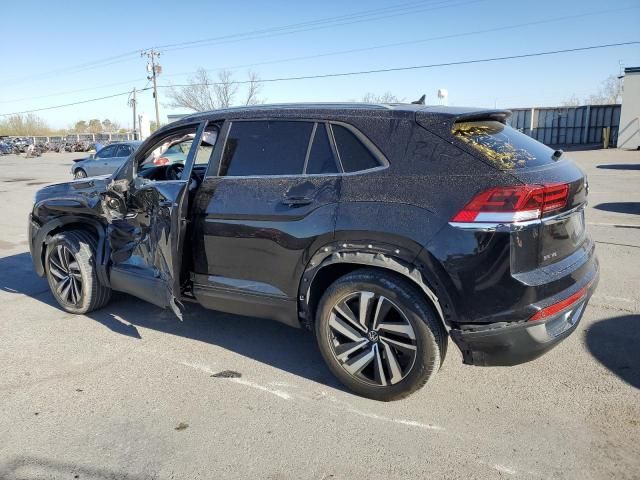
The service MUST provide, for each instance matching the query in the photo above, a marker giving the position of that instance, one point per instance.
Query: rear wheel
(378, 334)
(80, 173)
(71, 273)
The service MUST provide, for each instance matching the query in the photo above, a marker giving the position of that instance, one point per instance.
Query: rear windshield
(504, 147)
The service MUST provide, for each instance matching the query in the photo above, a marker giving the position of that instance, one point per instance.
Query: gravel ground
(128, 392)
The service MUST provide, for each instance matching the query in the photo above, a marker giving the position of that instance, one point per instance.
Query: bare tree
(253, 90)
(95, 125)
(386, 97)
(28, 124)
(195, 95)
(201, 93)
(80, 126)
(572, 101)
(610, 92)
(225, 89)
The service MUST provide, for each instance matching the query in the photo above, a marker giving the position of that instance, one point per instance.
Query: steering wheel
(174, 171)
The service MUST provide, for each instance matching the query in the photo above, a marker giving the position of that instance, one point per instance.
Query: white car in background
(105, 161)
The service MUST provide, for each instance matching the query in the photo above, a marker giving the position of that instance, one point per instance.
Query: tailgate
(561, 232)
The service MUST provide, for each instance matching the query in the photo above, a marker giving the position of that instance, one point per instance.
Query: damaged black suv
(385, 229)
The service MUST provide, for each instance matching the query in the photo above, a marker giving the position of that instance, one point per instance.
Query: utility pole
(132, 103)
(154, 69)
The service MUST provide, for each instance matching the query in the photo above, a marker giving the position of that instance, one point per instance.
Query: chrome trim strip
(515, 226)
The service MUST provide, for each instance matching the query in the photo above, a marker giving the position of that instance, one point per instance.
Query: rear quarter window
(354, 155)
(504, 147)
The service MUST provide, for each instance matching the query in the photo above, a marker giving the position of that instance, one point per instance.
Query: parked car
(384, 229)
(105, 161)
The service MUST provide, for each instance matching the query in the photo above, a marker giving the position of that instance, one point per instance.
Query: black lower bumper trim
(508, 344)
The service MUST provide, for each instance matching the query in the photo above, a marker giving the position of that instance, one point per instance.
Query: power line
(411, 42)
(72, 104)
(353, 50)
(68, 92)
(360, 72)
(227, 39)
(415, 67)
(425, 40)
(252, 33)
(74, 69)
(124, 56)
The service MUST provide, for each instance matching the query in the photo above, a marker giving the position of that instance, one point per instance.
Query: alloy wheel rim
(80, 174)
(372, 339)
(66, 274)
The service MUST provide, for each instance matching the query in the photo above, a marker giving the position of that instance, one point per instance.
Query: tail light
(513, 204)
(565, 304)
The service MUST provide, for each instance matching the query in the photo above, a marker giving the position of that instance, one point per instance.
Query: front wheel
(71, 272)
(80, 173)
(378, 334)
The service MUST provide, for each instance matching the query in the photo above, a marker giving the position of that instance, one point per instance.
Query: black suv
(386, 229)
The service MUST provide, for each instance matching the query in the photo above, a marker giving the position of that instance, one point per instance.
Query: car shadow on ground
(269, 342)
(632, 208)
(21, 467)
(614, 342)
(620, 166)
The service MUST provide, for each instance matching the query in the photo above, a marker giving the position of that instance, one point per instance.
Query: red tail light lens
(565, 304)
(555, 197)
(161, 161)
(513, 204)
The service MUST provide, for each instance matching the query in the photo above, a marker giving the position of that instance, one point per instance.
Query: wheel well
(332, 272)
(325, 277)
(65, 228)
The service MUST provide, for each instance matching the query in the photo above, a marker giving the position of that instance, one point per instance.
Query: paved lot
(127, 392)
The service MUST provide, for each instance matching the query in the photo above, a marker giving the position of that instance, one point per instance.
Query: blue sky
(42, 40)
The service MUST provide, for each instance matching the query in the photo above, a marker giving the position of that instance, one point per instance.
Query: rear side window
(504, 147)
(107, 152)
(353, 154)
(266, 148)
(321, 158)
(123, 151)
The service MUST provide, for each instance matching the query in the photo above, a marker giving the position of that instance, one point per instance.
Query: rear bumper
(506, 344)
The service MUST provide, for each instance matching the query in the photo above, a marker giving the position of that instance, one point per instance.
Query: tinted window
(123, 151)
(266, 148)
(321, 157)
(353, 154)
(107, 152)
(503, 146)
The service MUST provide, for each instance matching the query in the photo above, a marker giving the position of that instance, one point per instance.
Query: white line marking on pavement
(241, 381)
(198, 366)
(277, 393)
(347, 407)
(503, 469)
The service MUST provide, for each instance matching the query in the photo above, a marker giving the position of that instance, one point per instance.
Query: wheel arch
(336, 260)
(67, 223)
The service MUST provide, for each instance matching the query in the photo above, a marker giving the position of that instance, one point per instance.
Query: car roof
(137, 143)
(338, 110)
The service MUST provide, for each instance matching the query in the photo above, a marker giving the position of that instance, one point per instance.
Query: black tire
(80, 247)
(425, 336)
(80, 173)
